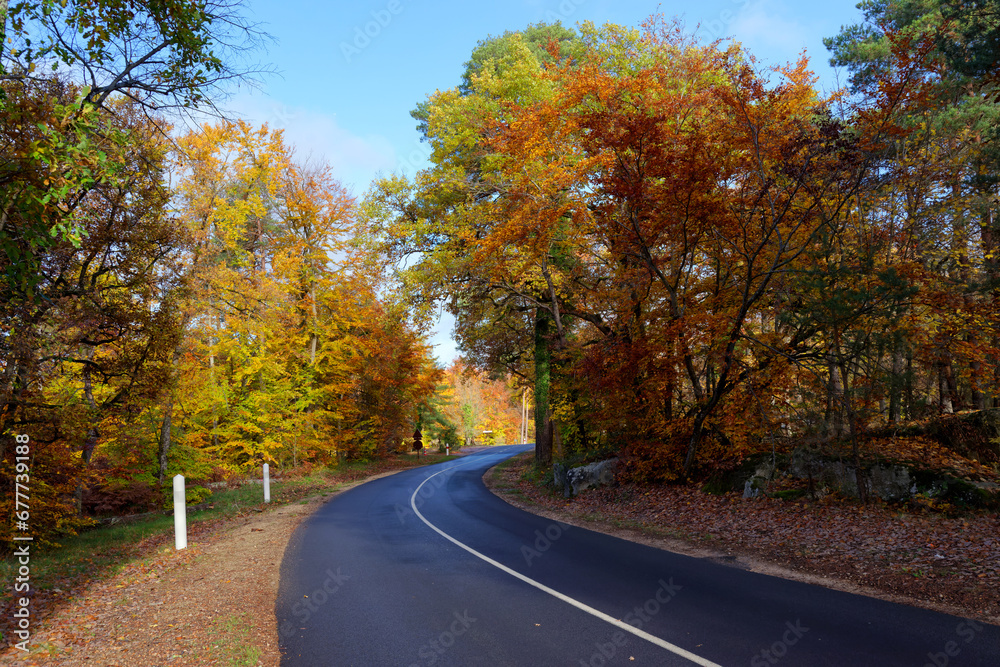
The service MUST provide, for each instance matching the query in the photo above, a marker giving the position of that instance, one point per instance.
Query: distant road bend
(427, 567)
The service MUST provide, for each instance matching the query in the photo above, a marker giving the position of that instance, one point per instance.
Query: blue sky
(351, 72)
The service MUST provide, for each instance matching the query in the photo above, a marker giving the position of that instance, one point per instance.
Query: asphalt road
(427, 567)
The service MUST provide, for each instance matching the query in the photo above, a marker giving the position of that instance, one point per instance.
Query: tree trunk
(211, 375)
(90, 440)
(949, 375)
(557, 445)
(908, 385)
(978, 397)
(944, 389)
(543, 379)
(165, 425)
(313, 336)
(847, 410)
(524, 416)
(990, 238)
(896, 381)
(168, 414)
(834, 400)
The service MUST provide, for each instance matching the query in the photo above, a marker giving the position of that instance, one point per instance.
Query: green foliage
(168, 53)
(195, 463)
(971, 42)
(195, 495)
(435, 423)
(68, 153)
(494, 58)
(173, 51)
(538, 40)
(449, 436)
(951, 49)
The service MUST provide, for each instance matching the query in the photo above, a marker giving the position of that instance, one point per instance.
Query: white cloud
(318, 138)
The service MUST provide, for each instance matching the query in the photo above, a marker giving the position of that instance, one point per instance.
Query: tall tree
(439, 218)
(170, 54)
(931, 55)
(89, 351)
(300, 355)
(695, 190)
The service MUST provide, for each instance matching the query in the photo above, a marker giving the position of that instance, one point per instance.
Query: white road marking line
(697, 659)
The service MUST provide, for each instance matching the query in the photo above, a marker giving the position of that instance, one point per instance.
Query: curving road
(427, 567)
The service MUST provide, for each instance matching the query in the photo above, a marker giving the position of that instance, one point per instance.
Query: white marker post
(447, 450)
(180, 514)
(267, 483)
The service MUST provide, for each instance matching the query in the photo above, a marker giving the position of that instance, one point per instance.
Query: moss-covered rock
(789, 494)
(958, 492)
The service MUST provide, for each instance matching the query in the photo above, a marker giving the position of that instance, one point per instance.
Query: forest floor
(209, 604)
(949, 563)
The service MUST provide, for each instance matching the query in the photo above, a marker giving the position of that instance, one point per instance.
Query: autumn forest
(676, 254)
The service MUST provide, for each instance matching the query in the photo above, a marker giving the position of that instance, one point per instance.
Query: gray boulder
(891, 482)
(754, 487)
(585, 477)
(888, 482)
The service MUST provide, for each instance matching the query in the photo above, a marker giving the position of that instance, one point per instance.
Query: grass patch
(507, 464)
(93, 551)
(538, 475)
(102, 550)
(234, 641)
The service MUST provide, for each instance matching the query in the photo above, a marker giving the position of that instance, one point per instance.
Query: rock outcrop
(575, 480)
